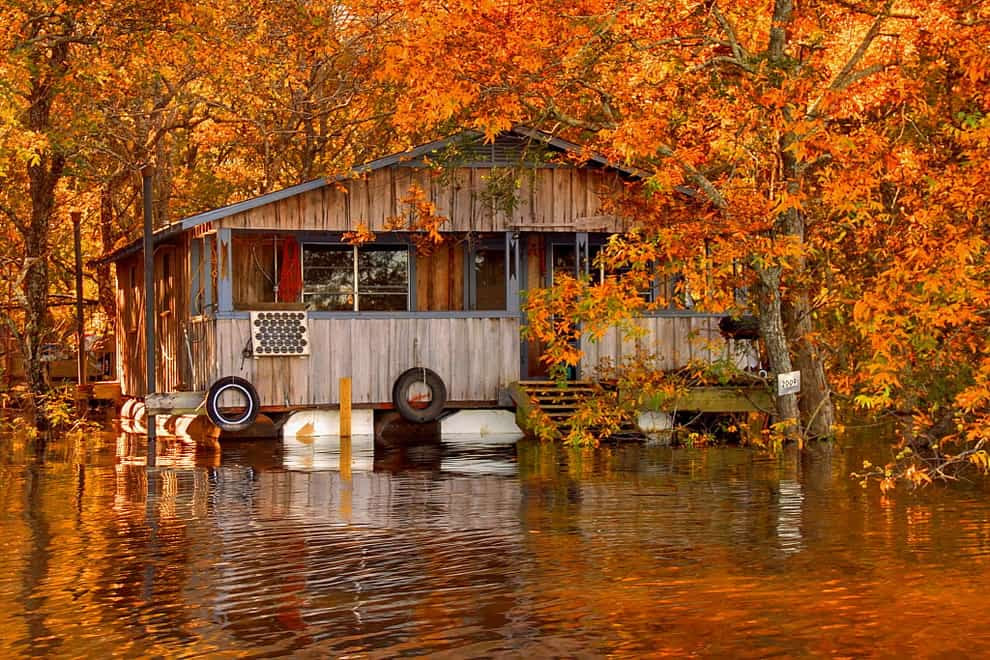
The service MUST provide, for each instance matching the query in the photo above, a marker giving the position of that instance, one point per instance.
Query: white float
(325, 423)
(654, 422)
(480, 422)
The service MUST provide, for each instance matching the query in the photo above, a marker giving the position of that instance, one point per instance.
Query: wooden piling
(345, 407)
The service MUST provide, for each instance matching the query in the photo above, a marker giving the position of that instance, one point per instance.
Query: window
(488, 278)
(165, 291)
(563, 257)
(196, 272)
(351, 278)
(598, 274)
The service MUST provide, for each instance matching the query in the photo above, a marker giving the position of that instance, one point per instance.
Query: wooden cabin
(377, 309)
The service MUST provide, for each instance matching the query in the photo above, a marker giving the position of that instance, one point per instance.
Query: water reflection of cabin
(378, 309)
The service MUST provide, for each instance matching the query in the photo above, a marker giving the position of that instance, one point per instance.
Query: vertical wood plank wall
(174, 370)
(253, 270)
(440, 279)
(549, 199)
(203, 344)
(674, 340)
(474, 357)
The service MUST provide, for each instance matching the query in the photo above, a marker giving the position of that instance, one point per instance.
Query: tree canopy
(829, 157)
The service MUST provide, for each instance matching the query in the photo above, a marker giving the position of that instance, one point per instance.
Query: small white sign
(788, 383)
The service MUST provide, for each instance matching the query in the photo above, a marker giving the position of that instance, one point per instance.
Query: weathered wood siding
(474, 357)
(550, 199)
(253, 270)
(173, 370)
(203, 347)
(440, 279)
(674, 340)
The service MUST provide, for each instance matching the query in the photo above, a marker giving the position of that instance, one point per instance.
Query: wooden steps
(558, 402)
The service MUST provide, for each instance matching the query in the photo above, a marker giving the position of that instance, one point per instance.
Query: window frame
(356, 275)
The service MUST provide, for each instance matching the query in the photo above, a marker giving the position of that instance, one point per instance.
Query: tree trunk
(43, 177)
(108, 238)
(815, 400)
(770, 314)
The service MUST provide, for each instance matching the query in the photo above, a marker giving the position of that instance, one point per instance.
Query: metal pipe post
(81, 375)
(149, 307)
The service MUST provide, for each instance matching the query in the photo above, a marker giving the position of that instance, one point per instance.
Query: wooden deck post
(345, 407)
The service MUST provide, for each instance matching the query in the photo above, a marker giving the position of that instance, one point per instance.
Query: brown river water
(482, 548)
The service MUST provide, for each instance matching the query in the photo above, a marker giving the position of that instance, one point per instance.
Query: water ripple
(480, 549)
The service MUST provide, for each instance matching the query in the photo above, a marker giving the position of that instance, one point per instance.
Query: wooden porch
(557, 402)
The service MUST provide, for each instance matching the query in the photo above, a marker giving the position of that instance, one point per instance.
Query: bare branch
(14, 218)
(860, 52)
(848, 74)
(739, 53)
(871, 12)
(866, 73)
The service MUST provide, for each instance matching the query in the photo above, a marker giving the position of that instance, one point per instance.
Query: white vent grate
(279, 333)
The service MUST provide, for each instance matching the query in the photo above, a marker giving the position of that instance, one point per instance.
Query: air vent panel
(277, 334)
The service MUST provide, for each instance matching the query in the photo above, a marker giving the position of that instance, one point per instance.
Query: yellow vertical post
(345, 407)
(345, 458)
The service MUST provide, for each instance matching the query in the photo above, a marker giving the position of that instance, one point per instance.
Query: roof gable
(519, 145)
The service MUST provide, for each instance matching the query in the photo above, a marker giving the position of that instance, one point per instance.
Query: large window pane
(383, 302)
(328, 277)
(598, 272)
(330, 302)
(382, 268)
(336, 257)
(382, 278)
(564, 257)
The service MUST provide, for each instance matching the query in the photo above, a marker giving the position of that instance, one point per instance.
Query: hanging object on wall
(279, 333)
(290, 275)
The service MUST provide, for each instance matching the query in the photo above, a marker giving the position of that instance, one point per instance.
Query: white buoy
(654, 422)
(323, 423)
(139, 417)
(480, 422)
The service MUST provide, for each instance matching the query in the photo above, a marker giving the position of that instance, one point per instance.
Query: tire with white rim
(225, 418)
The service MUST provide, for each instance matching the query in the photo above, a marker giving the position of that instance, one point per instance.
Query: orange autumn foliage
(829, 157)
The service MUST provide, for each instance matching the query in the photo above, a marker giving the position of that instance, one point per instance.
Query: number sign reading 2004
(788, 383)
